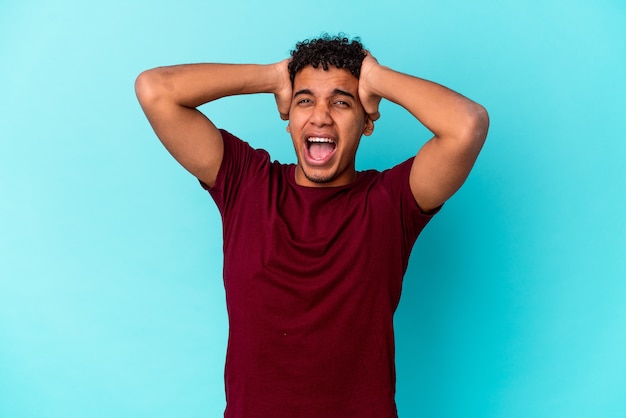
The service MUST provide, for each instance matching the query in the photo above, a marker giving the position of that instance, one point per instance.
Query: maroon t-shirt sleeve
(396, 182)
(240, 161)
(310, 305)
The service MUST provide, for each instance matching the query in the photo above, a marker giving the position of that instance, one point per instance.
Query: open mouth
(320, 148)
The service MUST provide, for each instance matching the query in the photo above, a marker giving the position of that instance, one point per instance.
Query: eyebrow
(303, 91)
(334, 93)
(342, 93)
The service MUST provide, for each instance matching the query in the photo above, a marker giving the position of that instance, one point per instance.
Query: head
(326, 118)
(326, 51)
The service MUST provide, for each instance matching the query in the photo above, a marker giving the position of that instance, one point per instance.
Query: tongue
(320, 150)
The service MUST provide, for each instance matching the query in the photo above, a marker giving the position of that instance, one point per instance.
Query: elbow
(477, 125)
(147, 87)
(483, 121)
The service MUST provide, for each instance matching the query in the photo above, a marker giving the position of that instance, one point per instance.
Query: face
(326, 122)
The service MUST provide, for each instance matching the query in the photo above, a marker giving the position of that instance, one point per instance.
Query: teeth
(317, 139)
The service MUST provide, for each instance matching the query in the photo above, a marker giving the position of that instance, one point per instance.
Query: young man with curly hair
(314, 252)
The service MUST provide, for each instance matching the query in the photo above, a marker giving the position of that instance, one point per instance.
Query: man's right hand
(284, 92)
(170, 96)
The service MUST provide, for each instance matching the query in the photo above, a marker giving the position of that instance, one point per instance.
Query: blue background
(111, 301)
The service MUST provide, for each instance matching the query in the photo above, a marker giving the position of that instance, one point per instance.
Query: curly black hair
(328, 50)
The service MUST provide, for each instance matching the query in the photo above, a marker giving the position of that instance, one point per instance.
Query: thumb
(371, 108)
(283, 107)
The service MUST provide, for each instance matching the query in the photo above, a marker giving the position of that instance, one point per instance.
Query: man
(314, 252)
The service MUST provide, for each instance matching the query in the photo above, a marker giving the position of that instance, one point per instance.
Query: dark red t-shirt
(312, 277)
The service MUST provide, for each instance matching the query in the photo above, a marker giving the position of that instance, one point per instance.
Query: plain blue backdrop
(111, 301)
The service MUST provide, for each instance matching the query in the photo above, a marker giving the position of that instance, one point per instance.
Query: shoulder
(240, 156)
(395, 182)
(396, 179)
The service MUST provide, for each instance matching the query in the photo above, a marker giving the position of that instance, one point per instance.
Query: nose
(321, 115)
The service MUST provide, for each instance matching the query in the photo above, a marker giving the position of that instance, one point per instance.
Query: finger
(284, 112)
(283, 108)
(372, 111)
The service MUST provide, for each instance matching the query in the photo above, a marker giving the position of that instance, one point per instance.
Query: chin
(319, 179)
(318, 173)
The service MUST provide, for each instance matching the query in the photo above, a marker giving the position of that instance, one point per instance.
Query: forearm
(170, 96)
(444, 112)
(192, 85)
(459, 126)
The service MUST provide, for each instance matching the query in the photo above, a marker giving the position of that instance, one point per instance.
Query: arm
(169, 97)
(459, 126)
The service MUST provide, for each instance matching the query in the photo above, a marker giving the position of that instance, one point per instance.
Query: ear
(288, 128)
(369, 126)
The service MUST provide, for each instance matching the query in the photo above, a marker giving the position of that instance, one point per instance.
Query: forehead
(319, 80)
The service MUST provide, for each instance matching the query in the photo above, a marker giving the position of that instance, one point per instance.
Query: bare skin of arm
(169, 97)
(459, 126)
